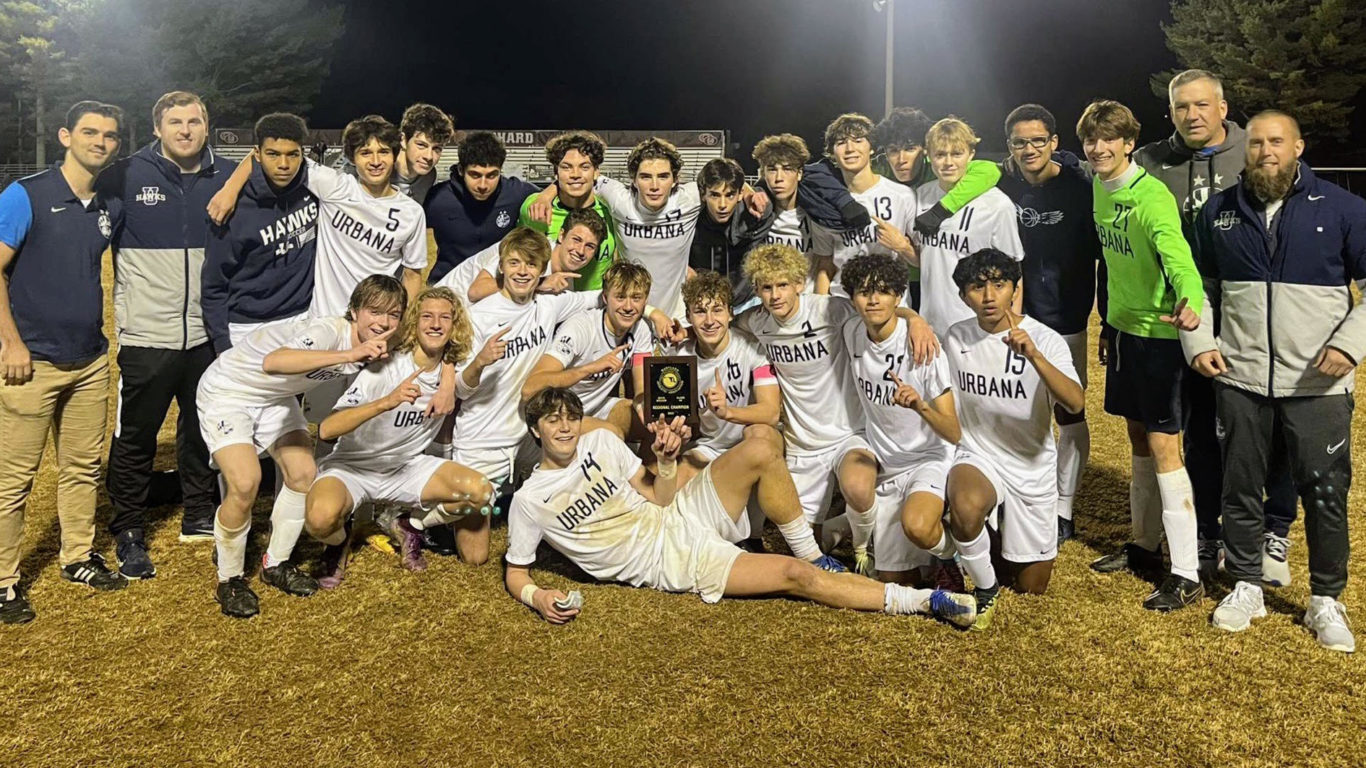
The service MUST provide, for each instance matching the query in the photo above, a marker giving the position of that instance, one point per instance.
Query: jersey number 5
(392, 226)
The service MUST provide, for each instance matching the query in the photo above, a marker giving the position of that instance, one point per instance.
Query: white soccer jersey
(393, 438)
(462, 275)
(791, 228)
(589, 512)
(491, 417)
(744, 369)
(1004, 407)
(658, 240)
(359, 236)
(584, 338)
(887, 201)
(986, 222)
(236, 375)
(820, 406)
(900, 438)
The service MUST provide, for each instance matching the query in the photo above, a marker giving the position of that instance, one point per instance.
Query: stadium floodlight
(890, 7)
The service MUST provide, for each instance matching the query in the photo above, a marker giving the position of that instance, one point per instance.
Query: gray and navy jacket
(258, 266)
(159, 246)
(1283, 293)
(1195, 175)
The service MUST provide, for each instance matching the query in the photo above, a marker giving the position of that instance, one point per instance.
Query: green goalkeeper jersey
(590, 277)
(1149, 262)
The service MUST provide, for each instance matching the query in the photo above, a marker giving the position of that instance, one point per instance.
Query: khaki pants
(71, 401)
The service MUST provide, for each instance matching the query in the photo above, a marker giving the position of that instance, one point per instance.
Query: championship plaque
(671, 388)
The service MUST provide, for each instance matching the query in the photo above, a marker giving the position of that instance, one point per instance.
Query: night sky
(751, 67)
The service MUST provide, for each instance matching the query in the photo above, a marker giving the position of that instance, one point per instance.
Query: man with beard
(1281, 248)
(1202, 157)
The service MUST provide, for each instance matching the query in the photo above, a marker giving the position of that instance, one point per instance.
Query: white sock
(335, 538)
(438, 515)
(1074, 450)
(232, 548)
(800, 539)
(1178, 520)
(945, 549)
(1145, 503)
(286, 522)
(861, 526)
(898, 599)
(975, 556)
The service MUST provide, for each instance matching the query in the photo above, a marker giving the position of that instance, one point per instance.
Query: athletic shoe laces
(1276, 547)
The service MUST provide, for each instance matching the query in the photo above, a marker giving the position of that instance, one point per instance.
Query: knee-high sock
(800, 539)
(286, 522)
(861, 525)
(1074, 450)
(945, 549)
(975, 555)
(1178, 520)
(899, 599)
(232, 548)
(1145, 503)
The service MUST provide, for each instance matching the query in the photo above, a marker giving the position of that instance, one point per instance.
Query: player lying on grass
(248, 403)
(1010, 372)
(913, 449)
(592, 500)
(382, 429)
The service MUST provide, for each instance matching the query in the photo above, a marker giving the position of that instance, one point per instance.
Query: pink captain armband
(764, 375)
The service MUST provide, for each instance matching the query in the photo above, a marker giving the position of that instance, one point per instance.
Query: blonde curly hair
(775, 261)
(462, 333)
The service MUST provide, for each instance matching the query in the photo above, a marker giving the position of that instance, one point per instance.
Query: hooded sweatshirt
(463, 226)
(1194, 175)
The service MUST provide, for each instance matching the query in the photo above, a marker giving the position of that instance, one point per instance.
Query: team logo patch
(224, 428)
(1226, 220)
(503, 219)
(150, 196)
(670, 379)
(105, 229)
(1032, 218)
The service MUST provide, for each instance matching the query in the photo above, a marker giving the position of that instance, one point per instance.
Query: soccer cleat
(863, 563)
(1211, 554)
(956, 608)
(196, 530)
(93, 573)
(381, 543)
(333, 568)
(409, 544)
(1133, 558)
(1275, 552)
(828, 563)
(440, 540)
(948, 576)
(134, 563)
(14, 607)
(1175, 592)
(1239, 607)
(236, 599)
(1066, 530)
(986, 607)
(1327, 619)
(287, 578)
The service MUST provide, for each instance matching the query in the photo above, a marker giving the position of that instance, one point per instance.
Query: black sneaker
(1133, 558)
(287, 578)
(132, 553)
(93, 573)
(1211, 555)
(196, 530)
(14, 607)
(1175, 592)
(439, 540)
(1066, 530)
(236, 599)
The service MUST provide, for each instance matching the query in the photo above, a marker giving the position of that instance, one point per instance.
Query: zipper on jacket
(1270, 279)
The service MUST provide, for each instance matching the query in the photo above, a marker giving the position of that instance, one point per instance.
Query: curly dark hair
(425, 118)
(721, 170)
(785, 148)
(846, 126)
(654, 149)
(875, 272)
(981, 266)
(586, 217)
(706, 285)
(360, 131)
(552, 400)
(281, 125)
(902, 128)
(585, 142)
(480, 148)
(1027, 112)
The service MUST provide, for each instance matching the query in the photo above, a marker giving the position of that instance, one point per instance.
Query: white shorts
(224, 424)
(1076, 344)
(502, 466)
(696, 552)
(1028, 527)
(605, 410)
(815, 474)
(239, 331)
(891, 549)
(402, 485)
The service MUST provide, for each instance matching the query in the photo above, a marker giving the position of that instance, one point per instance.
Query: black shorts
(1143, 381)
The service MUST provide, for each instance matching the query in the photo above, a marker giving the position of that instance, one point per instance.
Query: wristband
(529, 592)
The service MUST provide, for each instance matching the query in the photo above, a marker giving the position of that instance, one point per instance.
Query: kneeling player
(382, 459)
(248, 404)
(1010, 372)
(913, 452)
(591, 499)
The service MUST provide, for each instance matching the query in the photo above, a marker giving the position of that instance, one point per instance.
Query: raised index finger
(501, 333)
(1013, 319)
(386, 334)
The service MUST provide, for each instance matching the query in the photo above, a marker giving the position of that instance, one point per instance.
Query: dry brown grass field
(444, 668)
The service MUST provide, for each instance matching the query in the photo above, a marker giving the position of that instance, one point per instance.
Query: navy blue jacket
(464, 226)
(821, 194)
(159, 246)
(259, 266)
(1283, 292)
(1058, 231)
(54, 278)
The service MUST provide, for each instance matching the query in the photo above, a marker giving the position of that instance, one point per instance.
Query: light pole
(889, 54)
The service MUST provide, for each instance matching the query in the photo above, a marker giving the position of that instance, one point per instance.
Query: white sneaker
(1327, 619)
(1237, 610)
(1275, 569)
